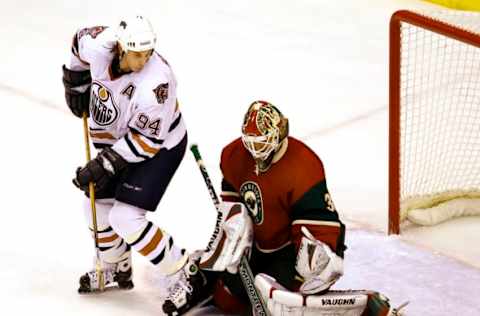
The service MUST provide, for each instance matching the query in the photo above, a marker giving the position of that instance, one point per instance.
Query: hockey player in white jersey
(129, 92)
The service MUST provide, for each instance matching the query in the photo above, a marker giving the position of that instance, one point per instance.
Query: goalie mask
(264, 128)
(136, 34)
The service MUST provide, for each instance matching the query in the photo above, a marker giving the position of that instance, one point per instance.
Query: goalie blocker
(232, 238)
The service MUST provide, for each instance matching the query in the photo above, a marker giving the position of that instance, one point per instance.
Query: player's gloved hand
(317, 264)
(100, 170)
(77, 90)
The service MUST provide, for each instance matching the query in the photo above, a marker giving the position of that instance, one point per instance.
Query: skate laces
(108, 276)
(181, 286)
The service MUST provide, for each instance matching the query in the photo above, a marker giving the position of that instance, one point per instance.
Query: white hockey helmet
(136, 34)
(264, 128)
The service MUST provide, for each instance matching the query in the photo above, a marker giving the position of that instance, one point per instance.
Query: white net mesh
(440, 114)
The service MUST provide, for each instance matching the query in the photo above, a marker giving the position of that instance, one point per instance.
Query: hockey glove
(100, 170)
(77, 90)
(317, 264)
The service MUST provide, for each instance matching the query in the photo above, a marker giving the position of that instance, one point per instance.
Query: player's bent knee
(102, 208)
(127, 219)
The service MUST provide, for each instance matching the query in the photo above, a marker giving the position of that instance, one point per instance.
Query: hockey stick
(244, 269)
(98, 263)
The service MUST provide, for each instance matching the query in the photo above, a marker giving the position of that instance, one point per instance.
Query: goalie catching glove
(317, 264)
(100, 170)
(232, 238)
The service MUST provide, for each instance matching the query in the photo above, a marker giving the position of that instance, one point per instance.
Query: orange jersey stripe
(101, 135)
(144, 145)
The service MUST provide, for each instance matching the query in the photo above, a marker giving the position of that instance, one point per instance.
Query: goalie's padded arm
(316, 211)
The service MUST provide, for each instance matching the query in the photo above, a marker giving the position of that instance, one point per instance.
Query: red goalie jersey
(291, 194)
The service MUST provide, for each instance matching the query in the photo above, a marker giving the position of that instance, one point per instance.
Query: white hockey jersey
(137, 113)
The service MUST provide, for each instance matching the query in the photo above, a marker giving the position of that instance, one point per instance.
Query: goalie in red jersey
(298, 236)
(276, 210)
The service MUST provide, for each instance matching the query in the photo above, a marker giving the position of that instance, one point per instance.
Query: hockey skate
(115, 276)
(187, 292)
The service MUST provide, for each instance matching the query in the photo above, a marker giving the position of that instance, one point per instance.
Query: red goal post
(434, 112)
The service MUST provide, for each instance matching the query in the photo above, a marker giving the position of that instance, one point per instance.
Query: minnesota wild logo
(252, 196)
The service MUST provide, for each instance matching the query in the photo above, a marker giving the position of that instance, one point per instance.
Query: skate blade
(109, 288)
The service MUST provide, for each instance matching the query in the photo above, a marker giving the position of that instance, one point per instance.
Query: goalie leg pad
(280, 301)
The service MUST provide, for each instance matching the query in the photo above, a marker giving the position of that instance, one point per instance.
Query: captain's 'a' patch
(161, 92)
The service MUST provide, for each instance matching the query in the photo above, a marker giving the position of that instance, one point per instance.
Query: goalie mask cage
(434, 114)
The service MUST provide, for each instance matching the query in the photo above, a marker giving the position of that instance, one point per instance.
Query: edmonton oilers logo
(252, 196)
(103, 109)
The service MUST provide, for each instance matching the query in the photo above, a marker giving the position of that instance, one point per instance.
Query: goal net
(434, 114)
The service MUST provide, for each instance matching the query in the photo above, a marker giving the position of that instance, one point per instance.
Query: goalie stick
(244, 270)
